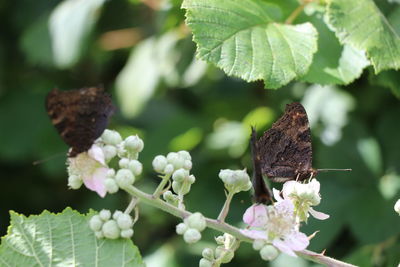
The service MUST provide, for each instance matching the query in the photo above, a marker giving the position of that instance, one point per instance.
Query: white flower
(91, 168)
(303, 196)
(277, 225)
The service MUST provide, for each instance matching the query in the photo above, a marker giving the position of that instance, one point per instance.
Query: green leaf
(242, 38)
(70, 24)
(362, 25)
(62, 240)
(334, 63)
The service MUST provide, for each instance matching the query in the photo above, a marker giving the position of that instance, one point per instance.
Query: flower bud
(187, 165)
(397, 206)
(205, 263)
(124, 221)
(181, 228)
(181, 188)
(111, 185)
(74, 181)
(136, 167)
(171, 198)
(258, 244)
(123, 163)
(220, 240)
(99, 234)
(116, 214)
(127, 233)
(109, 152)
(227, 256)
(110, 173)
(208, 254)
(105, 215)
(110, 137)
(191, 236)
(133, 144)
(185, 155)
(180, 175)
(196, 221)
(191, 179)
(124, 177)
(176, 160)
(95, 223)
(235, 181)
(169, 169)
(159, 163)
(110, 229)
(269, 253)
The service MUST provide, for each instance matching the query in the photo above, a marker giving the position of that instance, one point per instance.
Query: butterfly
(283, 152)
(80, 116)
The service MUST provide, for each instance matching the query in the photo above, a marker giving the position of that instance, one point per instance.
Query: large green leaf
(62, 240)
(362, 25)
(242, 38)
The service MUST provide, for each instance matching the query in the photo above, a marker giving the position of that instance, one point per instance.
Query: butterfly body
(80, 116)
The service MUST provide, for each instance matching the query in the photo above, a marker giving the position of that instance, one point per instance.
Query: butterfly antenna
(37, 162)
(328, 170)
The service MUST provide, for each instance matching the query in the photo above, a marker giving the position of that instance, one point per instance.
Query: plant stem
(224, 227)
(131, 205)
(297, 11)
(225, 209)
(161, 186)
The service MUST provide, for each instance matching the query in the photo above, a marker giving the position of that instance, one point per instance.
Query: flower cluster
(235, 180)
(172, 162)
(92, 169)
(120, 225)
(277, 226)
(224, 253)
(191, 227)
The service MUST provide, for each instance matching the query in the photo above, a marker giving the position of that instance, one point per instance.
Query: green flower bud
(185, 155)
(176, 160)
(110, 173)
(196, 221)
(99, 234)
(187, 165)
(123, 163)
(191, 236)
(205, 263)
(124, 221)
(136, 167)
(124, 177)
(159, 163)
(171, 198)
(74, 182)
(95, 223)
(227, 256)
(181, 228)
(258, 244)
(110, 229)
(208, 254)
(111, 185)
(191, 179)
(181, 188)
(105, 215)
(235, 181)
(269, 253)
(133, 144)
(127, 233)
(180, 175)
(116, 214)
(220, 240)
(110, 137)
(109, 152)
(169, 169)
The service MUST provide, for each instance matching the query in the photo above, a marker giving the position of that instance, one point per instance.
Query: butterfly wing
(262, 194)
(285, 149)
(80, 116)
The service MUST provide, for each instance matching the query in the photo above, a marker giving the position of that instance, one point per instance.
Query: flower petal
(315, 185)
(255, 234)
(317, 214)
(282, 246)
(256, 215)
(288, 188)
(97, 153)
(285, 207)
(297, 241)
(276, 194)
(96, 181)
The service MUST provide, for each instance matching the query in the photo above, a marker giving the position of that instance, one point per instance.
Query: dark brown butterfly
(80, 116)
(284, 152)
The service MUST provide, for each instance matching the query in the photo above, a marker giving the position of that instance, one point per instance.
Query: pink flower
(276, 224)
(91, 168)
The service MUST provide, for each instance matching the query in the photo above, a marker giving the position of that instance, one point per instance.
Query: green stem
(131, 205)
(225, 209)
(297, 11)
(161, 186)
(224, 227)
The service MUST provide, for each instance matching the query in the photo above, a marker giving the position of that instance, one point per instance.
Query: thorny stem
(161, 186)
(225, 209)
(223, 227)
(297, 11)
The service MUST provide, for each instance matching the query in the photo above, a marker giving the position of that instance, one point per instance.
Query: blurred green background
(143, 54)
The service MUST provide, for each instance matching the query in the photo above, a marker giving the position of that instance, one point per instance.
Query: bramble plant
(275, 41)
